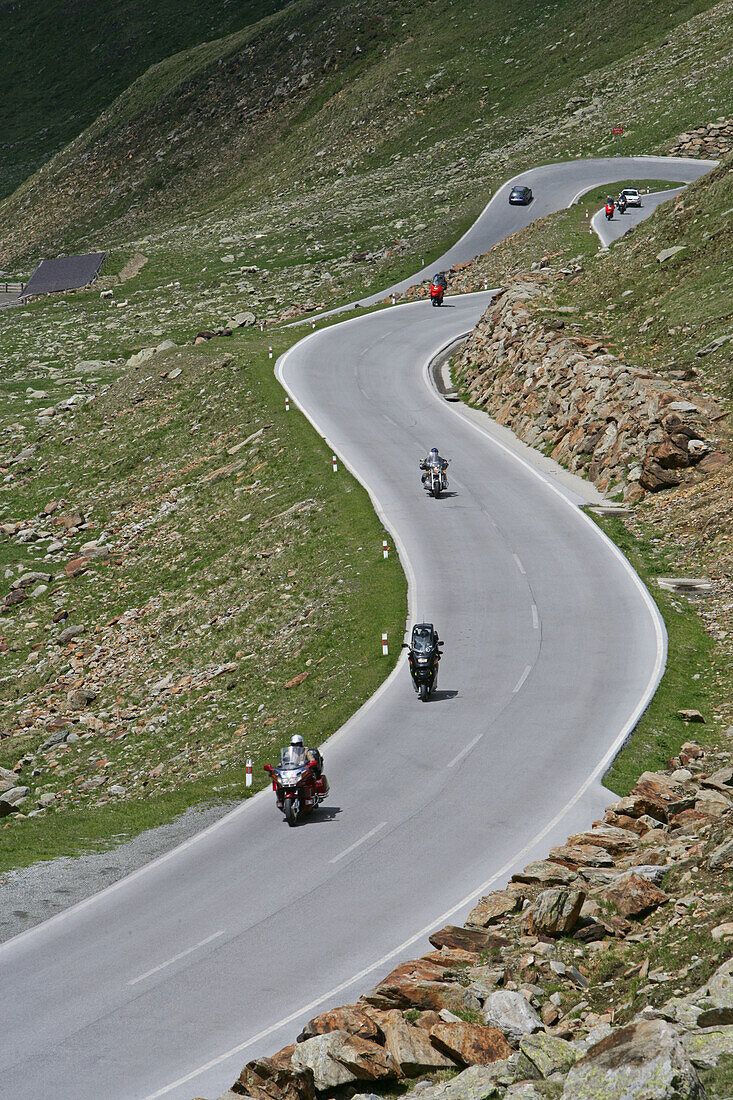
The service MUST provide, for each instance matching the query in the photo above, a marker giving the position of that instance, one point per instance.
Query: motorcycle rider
(621, 203)
(300, 755)
(433, 459)
(609, 207)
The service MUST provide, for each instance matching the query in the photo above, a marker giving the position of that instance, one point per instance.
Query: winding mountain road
(165, 983)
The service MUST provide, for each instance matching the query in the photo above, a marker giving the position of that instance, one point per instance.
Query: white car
(632, 196)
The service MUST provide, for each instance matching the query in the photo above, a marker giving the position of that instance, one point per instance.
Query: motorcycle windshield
(422, 642)
(292, 757)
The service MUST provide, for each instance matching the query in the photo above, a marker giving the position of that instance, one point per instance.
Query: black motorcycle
(424, 655)
(434, 479)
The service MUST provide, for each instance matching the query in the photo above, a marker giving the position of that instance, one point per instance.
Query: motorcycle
(435, 481)
(423, 655)
(437, 289)
(298, 789)
(609, 211)
(621, 204)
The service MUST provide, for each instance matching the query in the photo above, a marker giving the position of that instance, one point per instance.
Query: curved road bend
(164, 984)
(555, 187)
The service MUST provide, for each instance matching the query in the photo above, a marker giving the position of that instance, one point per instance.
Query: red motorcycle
(437, 289)
(297, 786)
(609, 211)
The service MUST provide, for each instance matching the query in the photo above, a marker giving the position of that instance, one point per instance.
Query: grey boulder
(644, 1061)
(707, 1046)
(475, 1083)
(512, 1014)
(338, 1058)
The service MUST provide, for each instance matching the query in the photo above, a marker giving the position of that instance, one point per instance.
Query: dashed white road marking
(180, 955)
(520, 567)
(465, 751)
(356, 843)
(522, 678)
(535, 617)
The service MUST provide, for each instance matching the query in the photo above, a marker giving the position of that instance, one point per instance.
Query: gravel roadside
(33, 894)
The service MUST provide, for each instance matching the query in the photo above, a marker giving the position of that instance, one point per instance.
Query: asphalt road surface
(167, 982)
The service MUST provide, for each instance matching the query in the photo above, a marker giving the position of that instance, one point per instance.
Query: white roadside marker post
(248, 772)
(394, 299)
(269, 353)
(385, 647)
(385, 549)
(335, 464)
(313, 324)
(287, 404)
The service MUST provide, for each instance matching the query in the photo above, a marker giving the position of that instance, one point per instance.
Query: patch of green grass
(688, 680)
(718, 1082)
(470, 1016)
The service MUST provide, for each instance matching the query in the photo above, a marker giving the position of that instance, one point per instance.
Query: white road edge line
(661, 638)
(465, 751)
(180, 955)
(356, 843)
(522, 678)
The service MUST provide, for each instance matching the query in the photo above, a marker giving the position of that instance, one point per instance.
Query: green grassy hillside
(64, 61)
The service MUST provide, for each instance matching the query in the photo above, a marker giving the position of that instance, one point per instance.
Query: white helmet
(296, 739)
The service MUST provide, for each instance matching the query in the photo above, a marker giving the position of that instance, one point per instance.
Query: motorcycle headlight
(422, 660)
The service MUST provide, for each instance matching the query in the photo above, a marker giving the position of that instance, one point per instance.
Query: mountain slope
(368, 103)
(64, 61)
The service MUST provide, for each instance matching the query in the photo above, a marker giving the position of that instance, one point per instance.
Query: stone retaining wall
(624, 428)
(712, 141)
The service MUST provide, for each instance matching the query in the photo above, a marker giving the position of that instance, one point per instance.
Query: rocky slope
(601, 971)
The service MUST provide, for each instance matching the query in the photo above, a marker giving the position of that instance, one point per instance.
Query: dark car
(520, 196)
